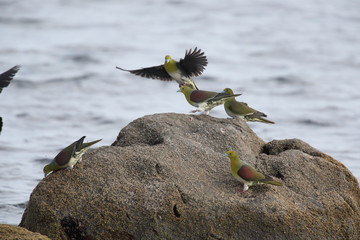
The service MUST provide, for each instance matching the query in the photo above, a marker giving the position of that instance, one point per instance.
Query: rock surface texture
(10, 232)
(165, 177)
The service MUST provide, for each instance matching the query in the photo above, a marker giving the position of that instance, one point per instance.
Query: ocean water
(297, 61)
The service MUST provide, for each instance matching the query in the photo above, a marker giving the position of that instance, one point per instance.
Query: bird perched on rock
(5, 79)
(182, 72)
(236, 109)
(69, 156)
(246, 174)
(204, 100)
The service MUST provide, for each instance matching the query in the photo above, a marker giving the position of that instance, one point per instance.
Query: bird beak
(178, 90)
(226, 155)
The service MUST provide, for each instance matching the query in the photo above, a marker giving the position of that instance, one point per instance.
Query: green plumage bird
(69, 156)
(236, 109)
(182, 71)
(5, 79)
(246, 174)
(204, 100)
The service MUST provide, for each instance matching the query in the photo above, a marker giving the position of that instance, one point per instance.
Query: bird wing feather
(258, 114)
(7, 76)
(221, 95)
(199, 96)
(249, 173)
(65, 155)
(241, 108)
(78, 145)
(157, 72)
(193, 64)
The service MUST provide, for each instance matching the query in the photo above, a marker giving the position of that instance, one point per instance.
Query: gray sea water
(297, 61)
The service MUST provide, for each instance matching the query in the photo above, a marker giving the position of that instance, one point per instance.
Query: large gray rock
(165, 177)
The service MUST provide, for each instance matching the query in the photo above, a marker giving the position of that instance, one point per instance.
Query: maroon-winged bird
(246, 174)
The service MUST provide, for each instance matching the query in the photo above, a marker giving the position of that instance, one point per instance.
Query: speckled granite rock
(165, 177)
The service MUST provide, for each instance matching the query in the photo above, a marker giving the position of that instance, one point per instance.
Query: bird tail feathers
(87, 145)
(270, 180)
(258, 119)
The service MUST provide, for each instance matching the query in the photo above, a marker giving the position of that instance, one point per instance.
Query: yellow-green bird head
(168, 59)
(187, 91)
(49, 168)
(231, 154)
(228, 91)
(185, 88)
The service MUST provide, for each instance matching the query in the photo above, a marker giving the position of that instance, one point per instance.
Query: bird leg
(194, 111)
(206, 112)
(197, 110)
(244, 188)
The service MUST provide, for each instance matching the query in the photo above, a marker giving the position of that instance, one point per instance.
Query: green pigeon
(204, 100)
(182, 71)
(5, 79)
(246, 174)
(69, 156)
(236, 109)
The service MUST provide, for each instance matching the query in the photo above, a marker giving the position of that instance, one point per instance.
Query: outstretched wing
(7, 76)
(193, 64)
(157, 72)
